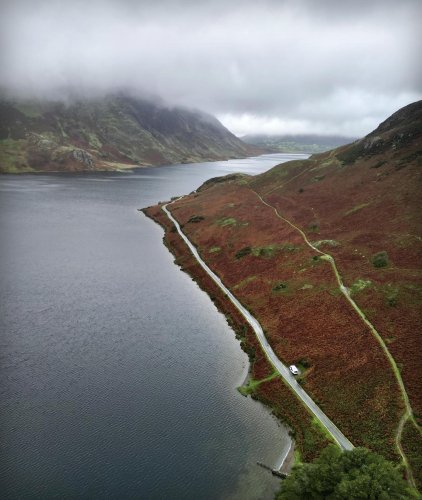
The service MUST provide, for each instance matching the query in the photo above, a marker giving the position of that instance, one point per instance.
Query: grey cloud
(326, 65)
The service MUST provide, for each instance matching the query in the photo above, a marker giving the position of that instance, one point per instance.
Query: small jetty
(274, 472)
(282, 470)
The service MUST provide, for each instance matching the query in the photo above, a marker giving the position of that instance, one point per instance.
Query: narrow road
(282, 369)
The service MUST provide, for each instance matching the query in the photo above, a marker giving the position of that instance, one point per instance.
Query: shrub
(380, 259)
(196, 218)
(379, 164)
(267, 251)
(279, 287)
(243, 252)
(313, 227)
(304, 362)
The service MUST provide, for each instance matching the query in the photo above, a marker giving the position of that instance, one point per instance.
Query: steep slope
(266, 237)
(305, 143)
(114, 132)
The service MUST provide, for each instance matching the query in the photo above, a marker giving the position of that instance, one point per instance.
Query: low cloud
(279, 66)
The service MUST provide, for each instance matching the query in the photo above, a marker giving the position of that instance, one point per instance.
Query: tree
(336, 475)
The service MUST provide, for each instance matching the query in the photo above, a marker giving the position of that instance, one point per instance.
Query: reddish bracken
(360, 204)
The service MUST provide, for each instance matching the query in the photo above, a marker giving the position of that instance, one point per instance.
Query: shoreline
(132, 168)
(286, 460)
(127, 168)
(308, 437)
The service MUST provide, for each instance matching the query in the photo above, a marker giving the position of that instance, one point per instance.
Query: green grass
(93, 140)
(359, 285)
(214, 250)
(357, 208)
(331, 243)
(285, 247)
(252, 384)
(226, 221)
(13, 157)
(318, 429)
(267, 251)
(244, 282)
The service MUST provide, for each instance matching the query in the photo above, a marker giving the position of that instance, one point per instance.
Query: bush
(280, 286)
(380, 259)
(196, 218)
(243, 252)
(379, 164)
(304, 362)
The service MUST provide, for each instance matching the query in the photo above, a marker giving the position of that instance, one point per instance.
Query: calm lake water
(118, 374)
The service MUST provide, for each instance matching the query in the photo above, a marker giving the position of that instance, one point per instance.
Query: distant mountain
(297, 143)
(110, 133)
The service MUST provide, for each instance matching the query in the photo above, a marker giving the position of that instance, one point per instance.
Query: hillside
(269, 238)
(105, 134)
(305, 143)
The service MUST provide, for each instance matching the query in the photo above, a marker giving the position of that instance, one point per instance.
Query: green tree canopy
(335, 475)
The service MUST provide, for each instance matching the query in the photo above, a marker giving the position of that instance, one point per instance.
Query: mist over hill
(113, 132)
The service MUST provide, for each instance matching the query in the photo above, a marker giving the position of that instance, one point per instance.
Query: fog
(260, 66)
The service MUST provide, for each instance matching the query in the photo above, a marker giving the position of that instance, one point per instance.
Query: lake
(118, 374)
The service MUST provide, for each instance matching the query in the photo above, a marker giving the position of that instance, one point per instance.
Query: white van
(294, 369)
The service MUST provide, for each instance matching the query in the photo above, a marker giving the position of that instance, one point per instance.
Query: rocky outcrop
(84, 157)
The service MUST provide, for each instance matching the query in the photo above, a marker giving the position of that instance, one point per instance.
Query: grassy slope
(111, 133)
(356, 202)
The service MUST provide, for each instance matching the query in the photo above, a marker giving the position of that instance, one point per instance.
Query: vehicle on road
(294, 369)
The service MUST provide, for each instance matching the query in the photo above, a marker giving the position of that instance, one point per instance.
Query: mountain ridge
(114, 132)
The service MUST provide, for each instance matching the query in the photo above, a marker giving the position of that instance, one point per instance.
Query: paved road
(282, 369)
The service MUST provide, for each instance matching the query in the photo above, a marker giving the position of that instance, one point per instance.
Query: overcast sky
(270, 66)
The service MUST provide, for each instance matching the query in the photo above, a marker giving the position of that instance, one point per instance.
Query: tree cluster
(336, 475)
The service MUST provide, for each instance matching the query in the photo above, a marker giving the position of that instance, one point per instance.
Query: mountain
(297, 143)
(110, 133)
(299, 245)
